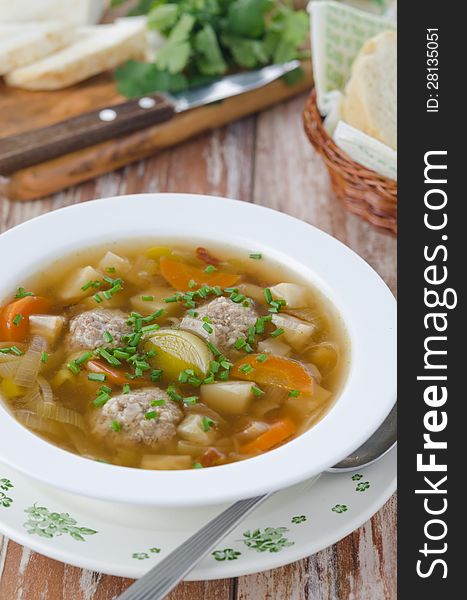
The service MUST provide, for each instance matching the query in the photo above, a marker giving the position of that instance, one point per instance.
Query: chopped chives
(105, 388)
(210, 269)
(209, 379)
(16, 350)
(97, 377)
(147, 328)
(116, 426)
(126, 388)
(74, 368)
(207, 327)
(108, 337)
(213, 349)
(215, 366)
(172, 392)
(192, 284)
(194, 381)
(294, 393)
(121, 354)
(248, 348)
(135, 339)
(83, 358)
(190, 400)
(259, 325)
(256, 256)
(97, 298)
(257, 391)
(226, 364)
(171, 299)
(152, 414)
(197, 465)
(268, 295)
(17, 320)
(147, 298)
(277, 332)
(156, 375)
(183, 377)
(231, 290)
(91, 284)
(109, 358)
(107, 295)
(246, 369)
(224, 375)
(240, 343)
(44, 357)
(251, 334)
(261, 358)
(217, 290)
(101, 399)
(192, 313)
(5, 350)
(110, 269)
(207, 423)
(22, 293)
(160, 402)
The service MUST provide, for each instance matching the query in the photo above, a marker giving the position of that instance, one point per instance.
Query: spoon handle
(162, 578)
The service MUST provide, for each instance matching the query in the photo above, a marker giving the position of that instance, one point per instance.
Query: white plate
(119, 540)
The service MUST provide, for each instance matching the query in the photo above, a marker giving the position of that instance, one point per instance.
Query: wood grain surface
(266, 160)
(23, 111)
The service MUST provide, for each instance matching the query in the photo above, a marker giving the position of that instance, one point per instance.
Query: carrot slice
(112, 375)
(278, 432)
(275, 370)
(179, 275)
(14, 317)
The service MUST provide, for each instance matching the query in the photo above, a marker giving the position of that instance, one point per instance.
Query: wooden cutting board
(22, 110)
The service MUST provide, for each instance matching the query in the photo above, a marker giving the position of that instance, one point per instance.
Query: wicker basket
(362, 191)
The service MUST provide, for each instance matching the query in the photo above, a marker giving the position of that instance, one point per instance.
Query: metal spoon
(162, 578)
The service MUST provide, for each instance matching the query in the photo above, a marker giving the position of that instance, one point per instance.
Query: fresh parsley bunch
(204, 39)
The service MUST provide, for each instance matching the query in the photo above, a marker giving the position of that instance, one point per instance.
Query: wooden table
(266, 160)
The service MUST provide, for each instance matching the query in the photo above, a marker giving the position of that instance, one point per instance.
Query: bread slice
(24, 43)
(370, 102)
(75, 12)
(95, 49)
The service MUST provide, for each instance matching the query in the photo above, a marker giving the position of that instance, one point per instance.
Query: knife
(38, 145)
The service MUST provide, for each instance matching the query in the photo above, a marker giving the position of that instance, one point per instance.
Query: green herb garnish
(277, 332)
(17, 320)
(207, 423)
(116, 426)
(22, 293)
(44, 357)
(256, 256)
(151, 415)
(97, 377)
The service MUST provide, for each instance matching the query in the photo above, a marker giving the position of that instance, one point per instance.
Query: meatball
(87, 329)
(140, 422)
(228, 320)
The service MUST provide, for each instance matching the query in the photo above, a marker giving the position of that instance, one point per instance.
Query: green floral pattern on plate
(357, 477)
(226, 554)
(340, 508)
(145, 555)
(5, 486)
(49, 524)
(269, 539)
(298, 519)
(362, 486)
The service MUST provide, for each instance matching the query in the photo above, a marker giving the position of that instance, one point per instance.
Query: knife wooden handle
(38, 145)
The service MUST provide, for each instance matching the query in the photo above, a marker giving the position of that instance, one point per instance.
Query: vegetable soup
(169, 356)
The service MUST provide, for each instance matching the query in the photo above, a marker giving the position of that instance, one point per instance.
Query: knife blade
(90, 128)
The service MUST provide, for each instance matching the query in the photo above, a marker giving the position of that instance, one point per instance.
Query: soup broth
(169, 355)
